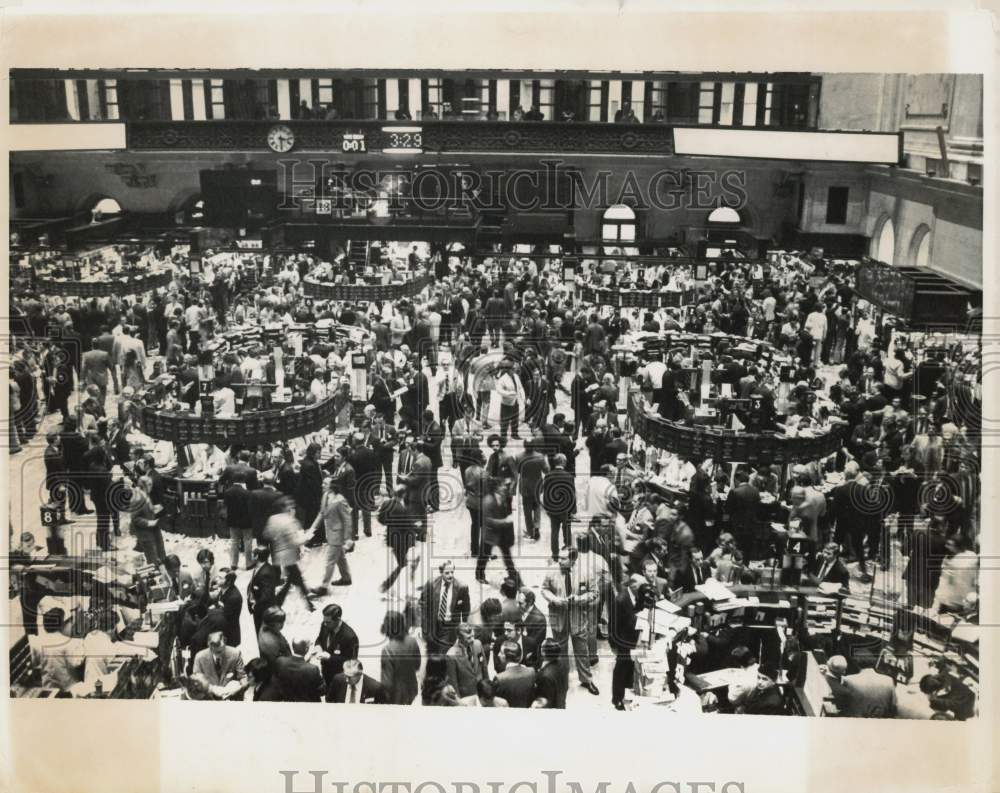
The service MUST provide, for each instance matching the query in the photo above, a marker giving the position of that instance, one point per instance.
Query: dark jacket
(370, 691)
(297, 680)
(622, 633)
(262, 587)
(237, 501)
(342, 646)
(516, 684)
(559, 493)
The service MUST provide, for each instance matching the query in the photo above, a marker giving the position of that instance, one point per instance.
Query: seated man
(827, 568)
(220, 668)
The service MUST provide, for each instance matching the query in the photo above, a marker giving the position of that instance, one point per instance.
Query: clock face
(280, 138)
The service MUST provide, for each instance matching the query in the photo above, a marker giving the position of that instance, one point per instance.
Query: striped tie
(443, 607)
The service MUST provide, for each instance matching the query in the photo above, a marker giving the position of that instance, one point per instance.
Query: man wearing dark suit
(229, 599)
(513, 633)
(270, 643)
(743, 505)
(298, 680)
(499, 464)
(365, 463)
(551, 680)
(433, 437)
(516, 683)
(383, 440)
(337, 641)
(220, 667)
(353, 686)
(532, 466)
(623, 638)
(263, 586)
(444, 603)
(534, 622)
(236, 499)
(827, 568)
(240, 471)
(558, 496)
(695, 573)
(309, 493)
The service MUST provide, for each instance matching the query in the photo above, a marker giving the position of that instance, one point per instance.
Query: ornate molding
(132, 174)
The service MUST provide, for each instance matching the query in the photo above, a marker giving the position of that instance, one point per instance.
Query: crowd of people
(501, 373)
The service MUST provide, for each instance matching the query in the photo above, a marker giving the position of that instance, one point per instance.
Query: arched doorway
(920, 248)
(618, 224)
(884, 242)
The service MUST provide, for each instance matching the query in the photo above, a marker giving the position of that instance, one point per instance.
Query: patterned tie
(443, 607)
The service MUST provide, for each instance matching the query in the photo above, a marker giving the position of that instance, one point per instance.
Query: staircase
(357, 254)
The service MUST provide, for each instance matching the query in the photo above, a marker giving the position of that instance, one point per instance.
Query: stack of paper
(713, 590)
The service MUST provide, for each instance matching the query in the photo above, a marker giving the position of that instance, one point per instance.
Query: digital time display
(403, 139)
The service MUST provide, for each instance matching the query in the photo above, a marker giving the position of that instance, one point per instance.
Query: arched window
(618, 224)
(884, 242)
(102, 208)
(726, 215)
(920, 247)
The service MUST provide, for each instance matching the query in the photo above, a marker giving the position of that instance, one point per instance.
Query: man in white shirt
(816, 327)
(746, 677)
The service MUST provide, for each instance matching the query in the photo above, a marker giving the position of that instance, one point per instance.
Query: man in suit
(263, 586)
(444, 604)
(534, 624)
(828, 568)
(466, 435)
(337, 641)
(365, 463)
(346, 478)
(650, 570)
(224, 594)
(309, 493)
(532, 466)
(298, 680)
(623, 638)
(516, 683)
(551, 680)
(407, 458)
(499, 464)
(239, 471)
(220, 667)
(513, 633)
(696, 572)
(236, 499)
(571, 593)
(485, 697)
(271, 644)
(867, 694)
(383, 440)
(433, 437)
(743, 505)
(354, 687)
(466, 661)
